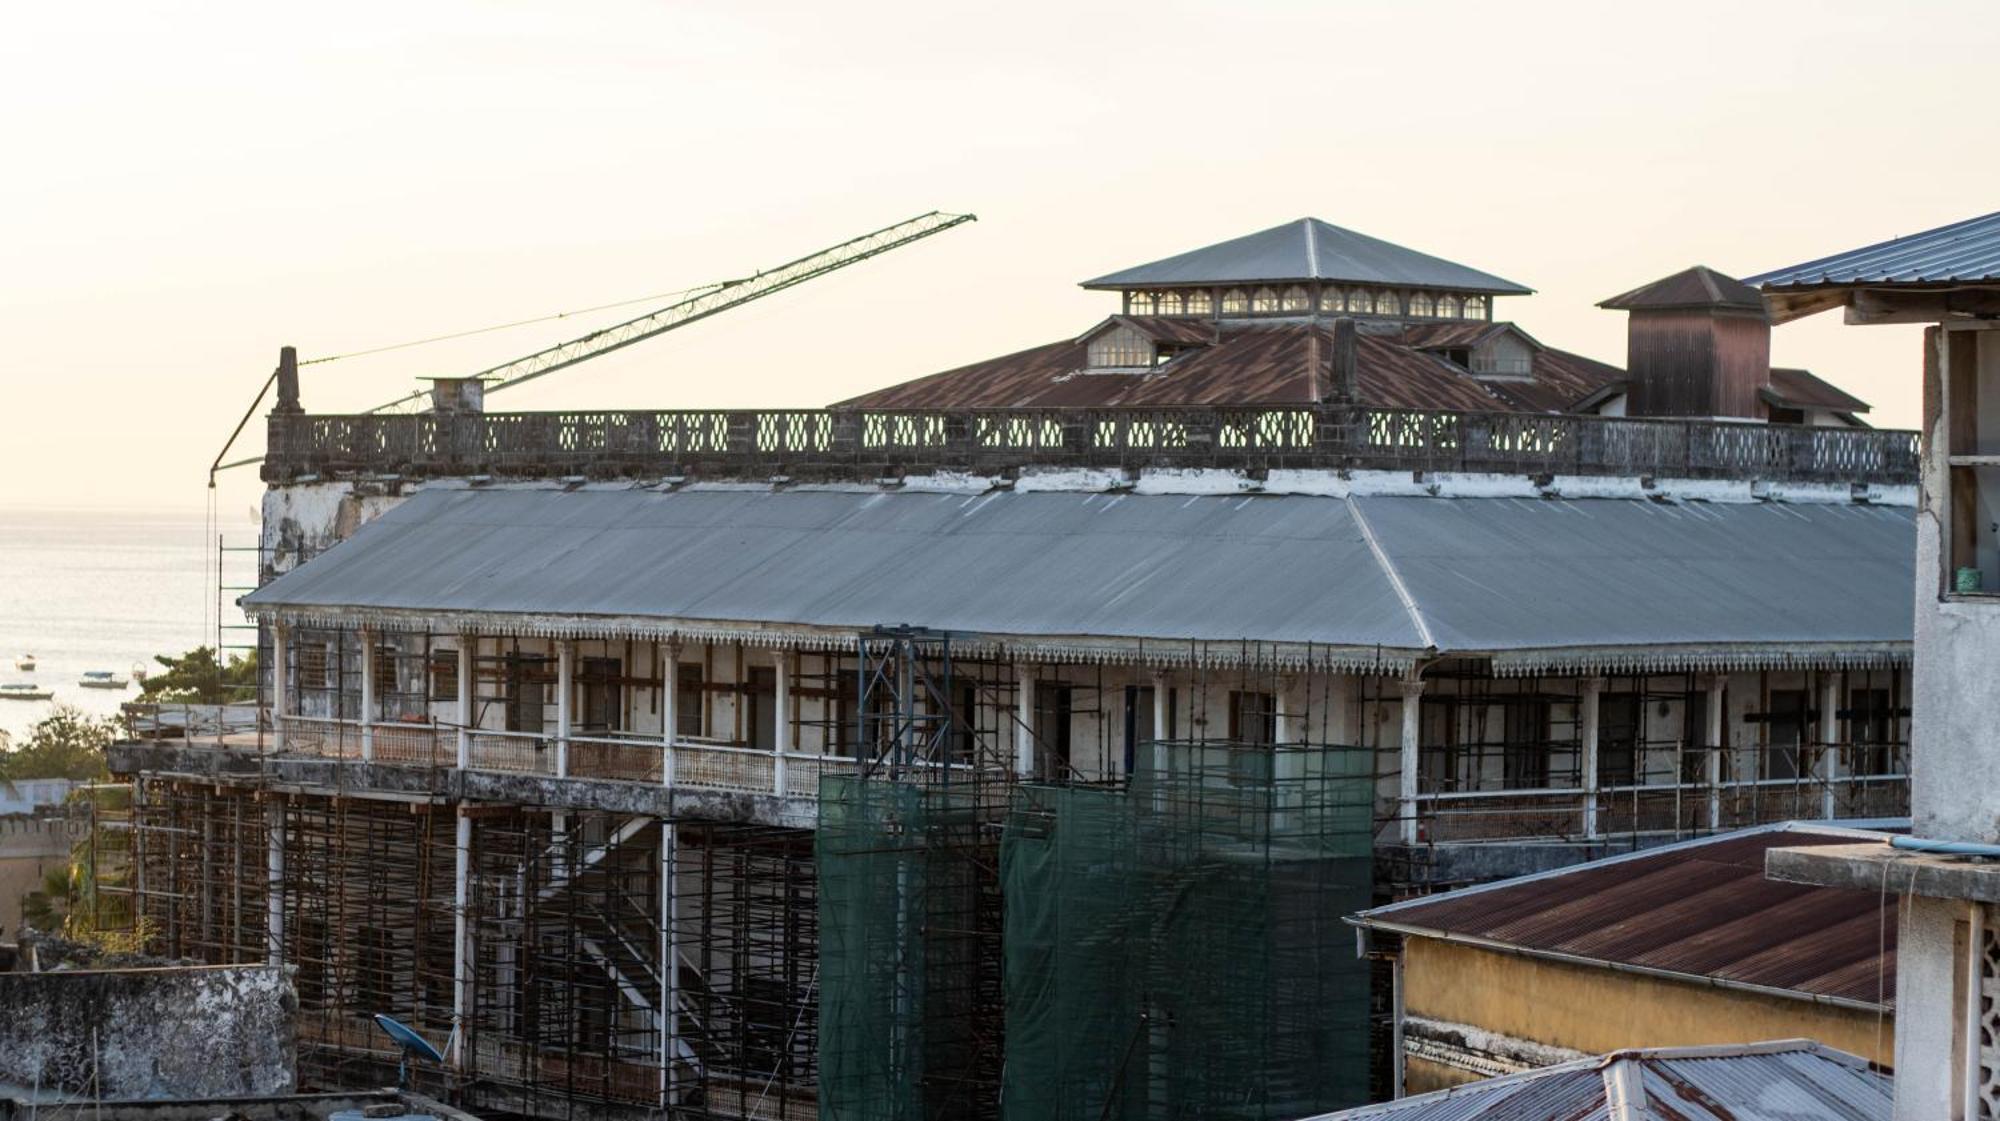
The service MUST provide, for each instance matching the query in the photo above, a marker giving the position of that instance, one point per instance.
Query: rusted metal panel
(1702, 908)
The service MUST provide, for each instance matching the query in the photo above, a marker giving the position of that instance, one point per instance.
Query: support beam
(565, 685)
(781, 733)
(468, 653)
(461, 941)
(1592, 698)
(281, 673)
(1024, 719)
(670, 716)
(367, 639)
(1712, 766)
(1406, 803)
(1829, 739)
(669, 963)
(274, 887)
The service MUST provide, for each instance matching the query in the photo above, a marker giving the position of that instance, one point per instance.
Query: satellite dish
(411, 1043)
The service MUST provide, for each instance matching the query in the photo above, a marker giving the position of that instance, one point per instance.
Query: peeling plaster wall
(148, 1033)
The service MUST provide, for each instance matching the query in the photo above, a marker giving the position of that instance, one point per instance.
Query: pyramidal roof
(1308, 249)
(1697, 287)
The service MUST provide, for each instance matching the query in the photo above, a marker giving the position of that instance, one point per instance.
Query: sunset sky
(189, 187)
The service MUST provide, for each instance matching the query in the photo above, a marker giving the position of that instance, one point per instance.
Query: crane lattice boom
(721, 297)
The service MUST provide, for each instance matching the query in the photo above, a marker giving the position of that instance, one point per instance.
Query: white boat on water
(22, 691)
(101, 679)
(25, 663)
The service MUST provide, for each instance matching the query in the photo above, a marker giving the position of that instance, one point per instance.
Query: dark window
(376, 988)
(598, 686)
(1526, 759)
(385, 671)
(1053, 717)
(1253, 717)
(312, 665)
(690, 700)
(526, 680)
(760, 702)
(1618, 717)
(1437, 744)
(965, 726)
(1694, 738)
(1138, 722)
(1871, 728)
(444, 675)
(1785, 727)
(1782, 415)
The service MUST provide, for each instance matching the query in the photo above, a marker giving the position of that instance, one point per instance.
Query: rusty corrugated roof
(1802, 389)
(1702, 909)
(1249, 363)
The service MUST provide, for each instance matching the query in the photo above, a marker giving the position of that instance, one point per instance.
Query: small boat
(25, 663)
(22, 691)
(101, 679)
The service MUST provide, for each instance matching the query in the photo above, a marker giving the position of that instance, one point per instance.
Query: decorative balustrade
(764, 443)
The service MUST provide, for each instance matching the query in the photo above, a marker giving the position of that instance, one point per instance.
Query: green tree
(67, 743)
(198, 677)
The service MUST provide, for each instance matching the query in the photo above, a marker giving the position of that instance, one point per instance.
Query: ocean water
(84, 590)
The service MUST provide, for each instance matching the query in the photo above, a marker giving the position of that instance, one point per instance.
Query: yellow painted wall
(1595, 1010)
(1421, 1076)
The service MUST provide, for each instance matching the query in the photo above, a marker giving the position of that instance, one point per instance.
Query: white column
(468, 653)
(669, 962)
(1712, 766)
(461, 941)
(781, 733)
(565, 685)
(1024, 719)
(281, 673)
(274, 887)
(1413, 698)
(670, 718)
(367, 638)
(1829, 738)
(1590, 703)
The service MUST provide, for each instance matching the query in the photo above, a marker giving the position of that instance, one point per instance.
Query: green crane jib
(719, 298)
(706, 302)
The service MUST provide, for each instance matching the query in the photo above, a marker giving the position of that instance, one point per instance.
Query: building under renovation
(1010, 743)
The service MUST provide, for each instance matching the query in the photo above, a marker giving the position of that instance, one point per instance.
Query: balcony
(823, 443)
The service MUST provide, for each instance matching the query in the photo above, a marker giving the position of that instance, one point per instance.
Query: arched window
(1475, 307)
(1361, 301)
(1171, 303)
(1296, 299)
(1121, 348)
(1264, 300)
(1139, 303)
(1234, 302)
(1421, 304)
(1332, 299)
(1200, 302)
(1388, 303)
(1447, 307)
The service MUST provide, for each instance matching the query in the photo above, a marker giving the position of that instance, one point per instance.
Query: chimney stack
(1697, 344)
(454, 396)
(1346, 381)
(288, 381)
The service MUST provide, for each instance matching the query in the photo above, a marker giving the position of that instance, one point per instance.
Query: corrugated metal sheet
(1962, 251)
(1529, 574)
(1307, 249)
(1802, 389)
(1255, 364)
(1291, 570)
(1487, 575)
(1793, 1080)
(1701, 908)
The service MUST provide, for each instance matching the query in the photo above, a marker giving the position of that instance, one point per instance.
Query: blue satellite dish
(411, 1043)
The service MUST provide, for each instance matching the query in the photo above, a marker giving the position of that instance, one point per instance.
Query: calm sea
(106, 590)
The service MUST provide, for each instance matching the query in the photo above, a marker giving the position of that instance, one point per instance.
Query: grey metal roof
(1788, 1080)
(1528, 578)
(1963, 251)
(1308, 249)
(1697, 287)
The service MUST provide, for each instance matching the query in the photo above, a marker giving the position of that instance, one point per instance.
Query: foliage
(199, 677)
(67, 743)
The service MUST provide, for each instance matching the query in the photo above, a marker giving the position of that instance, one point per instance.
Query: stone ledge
(1877, 867)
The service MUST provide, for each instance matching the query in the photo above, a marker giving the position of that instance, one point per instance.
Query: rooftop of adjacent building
(1783, 1080)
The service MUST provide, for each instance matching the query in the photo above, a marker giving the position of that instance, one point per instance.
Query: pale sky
(188, 187)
